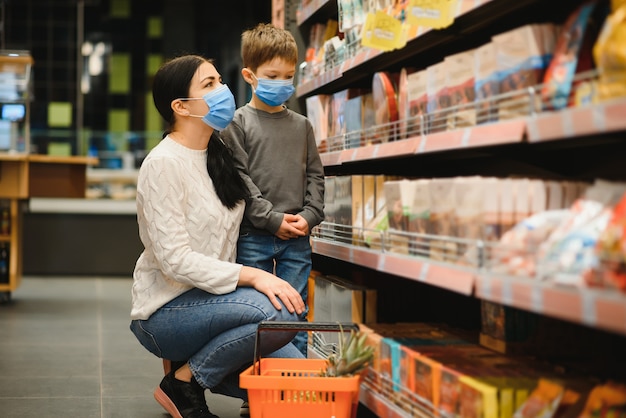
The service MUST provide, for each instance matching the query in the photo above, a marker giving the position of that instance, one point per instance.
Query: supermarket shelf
(601, 308)
(362, 56)
(312, 8)
(506, 132)
(376, 393)
(577, 122)
(388, 149)
(97, 175)
(499, 133)
(598, 308)
(454, 278)
(556, 125)
(472, 17)
(330, 159)
(83, 206)
(379, 404)
(324, 79)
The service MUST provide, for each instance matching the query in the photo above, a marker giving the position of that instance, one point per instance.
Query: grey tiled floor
(66, 351)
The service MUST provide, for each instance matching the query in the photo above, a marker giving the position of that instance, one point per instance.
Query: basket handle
(295, 326)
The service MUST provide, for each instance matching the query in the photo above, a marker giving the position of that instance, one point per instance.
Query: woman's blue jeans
(288, 259)
(216, 335)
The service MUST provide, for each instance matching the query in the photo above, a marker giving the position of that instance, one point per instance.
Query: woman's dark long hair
(171, 82)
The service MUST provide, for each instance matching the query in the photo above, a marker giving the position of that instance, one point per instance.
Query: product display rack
(579, 143)
(24, 176)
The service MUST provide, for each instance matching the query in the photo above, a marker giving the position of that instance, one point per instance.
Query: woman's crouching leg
(231, 351)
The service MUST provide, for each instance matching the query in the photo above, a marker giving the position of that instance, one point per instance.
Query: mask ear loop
(187, 112)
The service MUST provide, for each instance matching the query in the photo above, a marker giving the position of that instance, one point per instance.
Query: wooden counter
(23, 176)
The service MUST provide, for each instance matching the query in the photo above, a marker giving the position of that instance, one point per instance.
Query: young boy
(276, 151)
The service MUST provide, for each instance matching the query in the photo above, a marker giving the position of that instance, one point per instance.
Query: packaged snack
(384, 89)
(368, 118)
(606, 400)
(403, 102)
(317, 113)
(438, 98)
(442, 219)
(460, 84)
(542, 402)
(610, 56)
(569, 251)
(353, 122)
(418, 103)
(469, 196)
(399, 196)
(610, 270)
(419, 218)
(515, 254)
(560, 73)
(486, 84)
(522, 54)
(478, 399)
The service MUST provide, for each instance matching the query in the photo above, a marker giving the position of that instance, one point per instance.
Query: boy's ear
(246, 73)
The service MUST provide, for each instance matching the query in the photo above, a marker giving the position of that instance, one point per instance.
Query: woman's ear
(179, 108)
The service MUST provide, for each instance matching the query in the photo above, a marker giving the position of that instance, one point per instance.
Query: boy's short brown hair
(265, 42)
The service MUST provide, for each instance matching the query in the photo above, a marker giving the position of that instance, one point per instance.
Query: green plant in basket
(352, 357)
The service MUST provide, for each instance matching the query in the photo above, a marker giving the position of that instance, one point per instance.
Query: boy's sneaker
(182, 399)
(244, 411)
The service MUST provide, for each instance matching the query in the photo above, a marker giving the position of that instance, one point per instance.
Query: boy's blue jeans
(216, 334)
(288, 259)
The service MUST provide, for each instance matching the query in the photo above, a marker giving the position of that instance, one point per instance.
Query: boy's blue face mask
(273, 92)
(221, 105)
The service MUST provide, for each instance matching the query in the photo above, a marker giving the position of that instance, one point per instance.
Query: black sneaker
(182, 399)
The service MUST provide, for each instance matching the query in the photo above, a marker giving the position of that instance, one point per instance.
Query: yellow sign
(383, 32)
(436, 14)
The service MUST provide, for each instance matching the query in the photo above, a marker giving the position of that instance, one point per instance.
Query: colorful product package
(384, 92)
(460, 80)
(478, 399)
(469, 195)
(353, 122)
(418, 104)
(404, 111)
(317, 113)
(486, 84)
(560, 73)
(610, 269)
(610, 56)
(442, 219)
(522, 54)
(438, 97)
(606, 400)
(419, 218)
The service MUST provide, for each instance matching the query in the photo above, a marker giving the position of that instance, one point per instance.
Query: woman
(191, 303)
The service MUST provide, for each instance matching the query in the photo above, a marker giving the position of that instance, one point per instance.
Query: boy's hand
(287, 229)
(301, 224)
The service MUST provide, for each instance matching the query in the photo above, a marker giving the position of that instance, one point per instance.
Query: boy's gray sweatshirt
(277, 155)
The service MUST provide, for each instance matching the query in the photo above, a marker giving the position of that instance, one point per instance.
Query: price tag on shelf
(384, 32)
(436, 14)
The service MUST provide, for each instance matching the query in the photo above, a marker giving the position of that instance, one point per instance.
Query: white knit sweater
(189, 237)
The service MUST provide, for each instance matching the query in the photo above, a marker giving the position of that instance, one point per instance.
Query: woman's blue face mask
(221, 105)
(273, 92)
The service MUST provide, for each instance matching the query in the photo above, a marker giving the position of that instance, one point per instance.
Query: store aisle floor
(66, 351)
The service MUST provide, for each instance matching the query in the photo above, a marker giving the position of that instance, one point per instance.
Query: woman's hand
(273, 287)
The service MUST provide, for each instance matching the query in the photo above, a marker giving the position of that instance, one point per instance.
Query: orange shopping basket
(292, 388)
